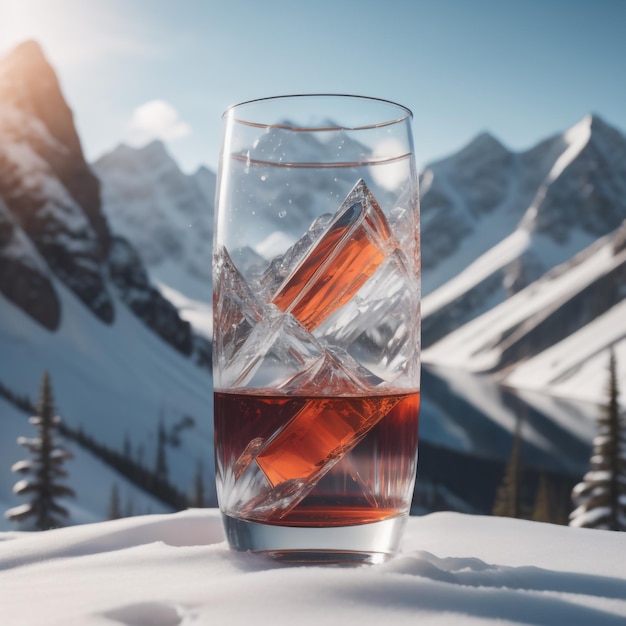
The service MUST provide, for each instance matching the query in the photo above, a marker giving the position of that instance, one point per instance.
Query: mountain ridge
(51, 197)
(566, 194)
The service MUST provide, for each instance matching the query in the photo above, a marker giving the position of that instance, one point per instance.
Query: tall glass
(316, 327)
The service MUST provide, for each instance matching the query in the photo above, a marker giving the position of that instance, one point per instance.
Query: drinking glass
(316, 332)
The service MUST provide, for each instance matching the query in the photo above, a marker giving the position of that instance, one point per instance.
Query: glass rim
(229, 112)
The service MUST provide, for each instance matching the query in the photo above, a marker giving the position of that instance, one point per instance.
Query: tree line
(43, 473)
(599, 499)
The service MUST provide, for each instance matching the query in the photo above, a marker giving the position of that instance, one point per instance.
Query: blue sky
(133, 70)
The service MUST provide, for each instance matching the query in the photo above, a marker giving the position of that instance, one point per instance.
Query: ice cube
(281, 266)
(260, 344)
(237, 310)
(379, 327)
(334, 373)
(339, 262)
(275, 350)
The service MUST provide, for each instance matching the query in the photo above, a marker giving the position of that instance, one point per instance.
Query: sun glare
(71, 32)
(29, 19)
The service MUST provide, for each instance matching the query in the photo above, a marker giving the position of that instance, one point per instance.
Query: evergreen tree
(197, 497)
(600, 498)
(114, 503)
(129, 510)
(508, 501)
(44, 470)
(160, 468)
(128, 448)
(543, 509)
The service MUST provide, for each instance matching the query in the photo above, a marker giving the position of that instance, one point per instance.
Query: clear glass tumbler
(316, 327)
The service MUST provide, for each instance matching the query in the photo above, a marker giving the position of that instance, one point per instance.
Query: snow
(497, 257)
(198, 313)
(499, 225)
(576, 139)
(576, 368)
(573, 368)
(114, 381)
(175, 570)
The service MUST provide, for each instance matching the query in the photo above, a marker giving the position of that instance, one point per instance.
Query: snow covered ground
(175, 570)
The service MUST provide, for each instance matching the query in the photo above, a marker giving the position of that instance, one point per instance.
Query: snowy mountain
(531, 281)
(76, 299)
(493, 221)
(165, 213)
(168, 216)
(525, 324)
(51, 197)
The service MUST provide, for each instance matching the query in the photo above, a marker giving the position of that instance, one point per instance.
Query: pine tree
(160, 468)
(600, 498)
(508, 501)
(114, 503)
(43, 470)
(197, 497)
(127, 450)
(129, 509)
(543, 509)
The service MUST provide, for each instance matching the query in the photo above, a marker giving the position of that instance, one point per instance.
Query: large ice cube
(339, 262)
(237, 310)
(379, 327)
(275, 350)
(262, 344)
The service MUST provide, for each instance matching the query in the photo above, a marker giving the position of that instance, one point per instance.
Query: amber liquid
(354, 246)
(369, 443)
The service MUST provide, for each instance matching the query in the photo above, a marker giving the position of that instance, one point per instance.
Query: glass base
(371, 543)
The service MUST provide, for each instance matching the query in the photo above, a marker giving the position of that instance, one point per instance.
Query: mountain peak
(155, 148)
(28, 51)
(485, 141)
(593, 125)
(150, 157)
(30, 84)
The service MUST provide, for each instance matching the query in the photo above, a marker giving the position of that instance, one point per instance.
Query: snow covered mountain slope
(554, 334)
(114, 382)
(507, 218)
(165, 213)
(51, 197)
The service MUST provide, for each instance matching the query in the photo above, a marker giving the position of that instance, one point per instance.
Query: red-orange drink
(365, 441)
